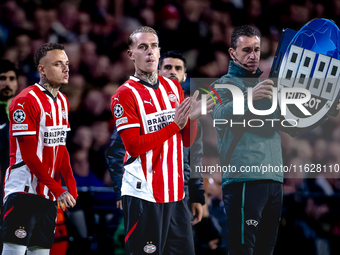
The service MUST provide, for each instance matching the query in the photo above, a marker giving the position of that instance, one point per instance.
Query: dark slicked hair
(6, 65)
(42, 51)
(143, 29)
(172, 54)
(243, 31)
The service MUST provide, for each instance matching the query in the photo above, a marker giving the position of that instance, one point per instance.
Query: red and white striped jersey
(157, 175)
(34, 112)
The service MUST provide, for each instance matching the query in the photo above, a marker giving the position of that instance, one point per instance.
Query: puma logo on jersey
(116, 98)
(48, 114)
(147, 102)
(22, 105)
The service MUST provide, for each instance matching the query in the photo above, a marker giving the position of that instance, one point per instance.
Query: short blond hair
(144, 29)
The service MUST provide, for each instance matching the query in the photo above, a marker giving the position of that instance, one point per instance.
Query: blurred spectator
(81, 217)
(94, 219)
(93, 108)
(84, 27)
(82, 139)
(94, 104)
(89, 59)
(73, 52)
(148, 17)
(42, 24)
(101, 139)
(8, 88)
(74, 92)
(320, 150)
(211, 232)
(101, 71)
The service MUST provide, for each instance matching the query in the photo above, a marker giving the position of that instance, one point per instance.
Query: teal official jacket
(259, 148)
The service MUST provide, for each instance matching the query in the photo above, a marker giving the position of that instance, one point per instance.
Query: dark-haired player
(38, 158)
(173, 65)
(8, 87)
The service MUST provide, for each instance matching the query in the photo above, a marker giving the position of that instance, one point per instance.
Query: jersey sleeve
(67, 174)
(137, 144)
(124, 110)
(23, 115)
(27, 146)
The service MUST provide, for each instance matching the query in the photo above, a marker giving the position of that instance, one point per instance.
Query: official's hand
(119, 204)
(263, 89)
(213, 244)
(196, 106)
(66, 200)
(338, 106)
(197, 211)
(182, 113)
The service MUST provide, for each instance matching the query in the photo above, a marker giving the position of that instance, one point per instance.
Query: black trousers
(157, 228)
(253, 214)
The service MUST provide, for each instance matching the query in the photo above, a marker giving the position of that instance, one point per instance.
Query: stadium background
(95, 35)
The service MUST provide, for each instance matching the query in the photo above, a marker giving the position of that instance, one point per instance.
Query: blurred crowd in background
(95, 34)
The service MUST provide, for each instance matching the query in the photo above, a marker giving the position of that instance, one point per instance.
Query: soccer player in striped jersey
(152, 118)
(38, 158)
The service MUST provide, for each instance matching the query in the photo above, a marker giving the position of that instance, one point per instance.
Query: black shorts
(157, 228)
(29, 220)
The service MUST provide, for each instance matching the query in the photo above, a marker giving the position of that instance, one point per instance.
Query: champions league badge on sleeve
(118, 110)
(19, 116)
(309, 60)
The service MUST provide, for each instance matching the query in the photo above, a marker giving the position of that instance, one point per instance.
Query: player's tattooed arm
(148, 77)
(66, 200)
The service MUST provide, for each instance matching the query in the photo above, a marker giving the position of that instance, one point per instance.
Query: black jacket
(4, 139)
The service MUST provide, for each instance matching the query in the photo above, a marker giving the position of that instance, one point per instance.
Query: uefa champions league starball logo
(118, 110)
(19, 116)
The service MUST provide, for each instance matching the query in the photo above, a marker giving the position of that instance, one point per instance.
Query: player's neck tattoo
(148, 77)
(53, 89)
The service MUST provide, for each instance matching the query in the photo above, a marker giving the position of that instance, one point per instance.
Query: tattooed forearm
(148, 77)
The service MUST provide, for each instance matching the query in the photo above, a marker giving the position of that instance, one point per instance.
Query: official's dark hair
(6, 65)
(42, 51)
(243, 31)
(143, 29)
(172, 54)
